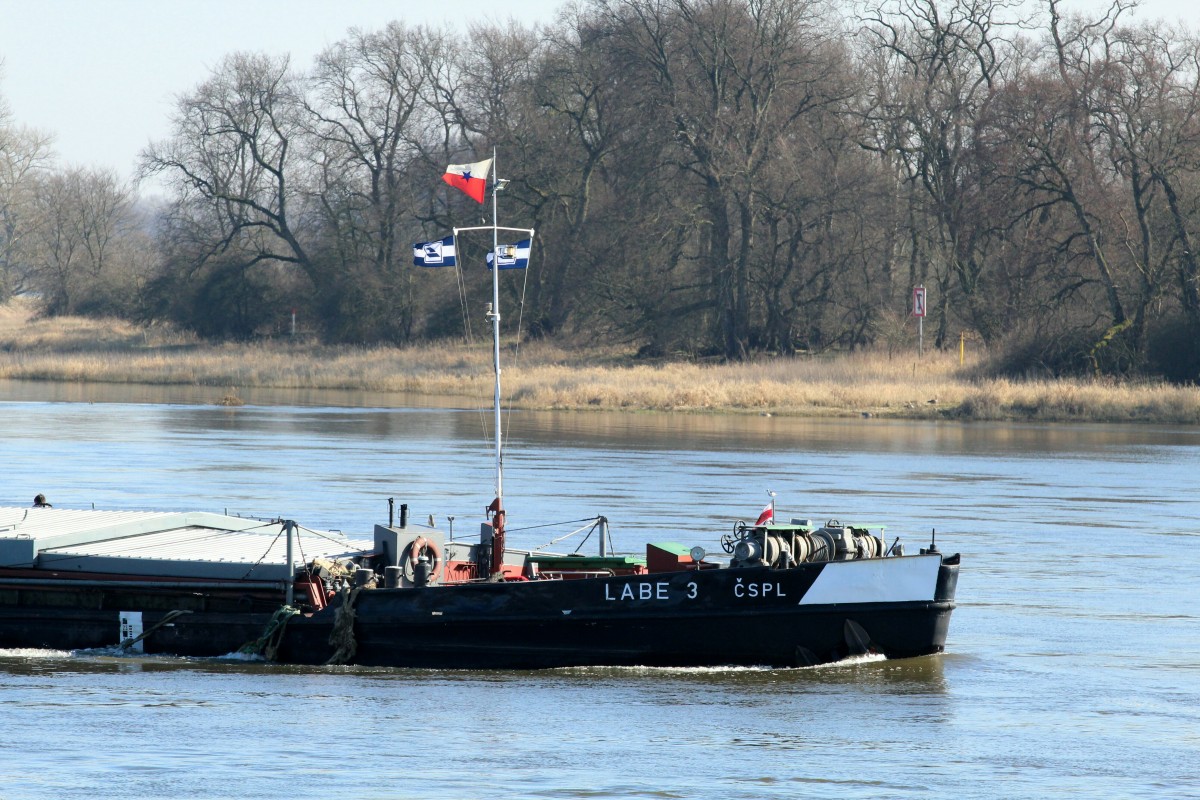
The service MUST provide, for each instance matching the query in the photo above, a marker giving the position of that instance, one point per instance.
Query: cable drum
(802, 547)
(774, 547)
(867, 545)
(780, 549)
(824, 548)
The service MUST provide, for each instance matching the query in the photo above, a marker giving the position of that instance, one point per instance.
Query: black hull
(199, 634)
(708, 618)
(777, 640)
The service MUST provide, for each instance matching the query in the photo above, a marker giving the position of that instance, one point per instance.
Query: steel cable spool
(824, 546)
(772, 547)
(802, 547)
(866, 545)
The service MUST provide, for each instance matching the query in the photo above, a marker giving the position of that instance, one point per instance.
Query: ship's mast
(497, 506)
(496, 509)
(495, 315)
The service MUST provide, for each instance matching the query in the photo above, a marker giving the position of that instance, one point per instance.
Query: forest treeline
(706, 177)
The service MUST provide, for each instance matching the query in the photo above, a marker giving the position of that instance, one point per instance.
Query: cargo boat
(200, 584)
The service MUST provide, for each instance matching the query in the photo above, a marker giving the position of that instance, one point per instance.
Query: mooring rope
(267, 645)
(170, 616)
(342, 635)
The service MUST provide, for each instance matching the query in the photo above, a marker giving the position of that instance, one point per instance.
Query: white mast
(496, 509)
(495, 317)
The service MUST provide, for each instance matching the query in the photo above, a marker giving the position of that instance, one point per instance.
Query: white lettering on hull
(643, 591)
(756, 589)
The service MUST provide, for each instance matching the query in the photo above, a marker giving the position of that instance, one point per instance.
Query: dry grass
(546, 376)
(857, 382)
(21, 329)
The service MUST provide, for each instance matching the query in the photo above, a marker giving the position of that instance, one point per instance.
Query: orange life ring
(418, 547)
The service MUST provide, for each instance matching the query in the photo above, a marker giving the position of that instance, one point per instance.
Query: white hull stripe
(878, 580)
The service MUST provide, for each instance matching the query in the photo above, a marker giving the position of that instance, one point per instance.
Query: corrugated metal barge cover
(157, 543)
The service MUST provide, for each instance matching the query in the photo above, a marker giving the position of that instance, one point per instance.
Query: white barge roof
(167, 544)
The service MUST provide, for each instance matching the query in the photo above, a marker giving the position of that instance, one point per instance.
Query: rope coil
(267, 645)
(341, 637)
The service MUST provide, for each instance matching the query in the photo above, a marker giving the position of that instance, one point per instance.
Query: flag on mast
(767, 515)
(511, 256)
(438, 253)
(470, 178)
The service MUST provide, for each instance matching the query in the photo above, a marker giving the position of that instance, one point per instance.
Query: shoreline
(545, 376)
(842, 387)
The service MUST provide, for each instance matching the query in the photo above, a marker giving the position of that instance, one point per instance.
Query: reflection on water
(176, 394)
(375, 414)
(1071, 659)
(732, 431)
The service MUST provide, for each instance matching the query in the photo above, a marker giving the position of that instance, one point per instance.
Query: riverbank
(545, 376)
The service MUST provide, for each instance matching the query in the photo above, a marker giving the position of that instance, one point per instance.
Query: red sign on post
(919, 301)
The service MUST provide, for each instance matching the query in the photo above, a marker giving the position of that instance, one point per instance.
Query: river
(1071, 667)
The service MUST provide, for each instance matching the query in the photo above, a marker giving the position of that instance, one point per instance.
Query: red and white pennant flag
(470, 178)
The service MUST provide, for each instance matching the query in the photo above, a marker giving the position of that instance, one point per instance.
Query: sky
(101, 75)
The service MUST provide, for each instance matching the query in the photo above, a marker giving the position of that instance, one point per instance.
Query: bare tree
(83, 215)
(233, 148)
(943, 64)
(591, 138)
(1147, 113)
(732, 77)
(368, 118)
(24, 155)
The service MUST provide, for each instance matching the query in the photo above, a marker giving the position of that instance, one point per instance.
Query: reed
(547, 376)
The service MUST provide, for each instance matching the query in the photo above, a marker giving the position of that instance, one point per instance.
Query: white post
(919, 312)
(289, 527)
(496, 329)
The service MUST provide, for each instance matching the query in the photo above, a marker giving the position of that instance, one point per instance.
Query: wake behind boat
(196, 584)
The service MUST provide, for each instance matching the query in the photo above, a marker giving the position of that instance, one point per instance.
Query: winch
(785, 545)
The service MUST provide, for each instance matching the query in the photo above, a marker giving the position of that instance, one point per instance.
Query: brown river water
(1072, 666)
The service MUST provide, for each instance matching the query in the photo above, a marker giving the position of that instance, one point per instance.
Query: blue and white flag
(511, 256)
(435, 254)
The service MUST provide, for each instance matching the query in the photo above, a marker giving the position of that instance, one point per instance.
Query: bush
(1174, 350)
(1036, 353)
